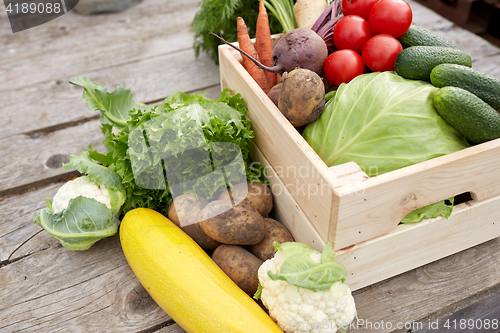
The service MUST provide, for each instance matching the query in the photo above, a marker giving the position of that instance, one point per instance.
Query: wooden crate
(350, 214)
(362, 219)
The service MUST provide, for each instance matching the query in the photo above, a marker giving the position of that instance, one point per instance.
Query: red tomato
(380, 52)
(358, 7)
(351, 32)
(391, 17)
(342, 66)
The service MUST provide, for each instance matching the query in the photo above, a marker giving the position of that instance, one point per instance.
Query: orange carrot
(246, 45)
(263, 43)
(279, 78)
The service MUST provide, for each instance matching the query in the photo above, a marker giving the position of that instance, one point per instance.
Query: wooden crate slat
(376, 206)
(410, 246)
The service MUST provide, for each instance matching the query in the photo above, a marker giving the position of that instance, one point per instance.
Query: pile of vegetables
(133, 172)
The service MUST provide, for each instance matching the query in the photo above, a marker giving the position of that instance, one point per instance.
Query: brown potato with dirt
(274, 93)
(237, 225)
(186, 208)
(302, 96)
(240, 265)
(258, 196)
(276, 232)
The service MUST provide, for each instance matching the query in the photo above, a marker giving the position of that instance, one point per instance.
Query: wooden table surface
(148, 48)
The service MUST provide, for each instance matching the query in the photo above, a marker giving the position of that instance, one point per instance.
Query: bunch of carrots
(262, 50)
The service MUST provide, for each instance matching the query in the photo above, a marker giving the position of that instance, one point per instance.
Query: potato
(276, 232)
(274, 93)
(302, 96)
(238, 225)
(240, 265)
(258, 196)
(188, 207)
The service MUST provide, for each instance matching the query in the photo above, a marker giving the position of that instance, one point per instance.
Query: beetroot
(300, 48)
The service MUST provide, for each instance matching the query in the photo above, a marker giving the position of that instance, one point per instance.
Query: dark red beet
(300, 48)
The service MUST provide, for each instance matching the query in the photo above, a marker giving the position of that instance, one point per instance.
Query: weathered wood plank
(433, 291)
(92, 291)
(49, 104)
(75, 43)
(474, 318)
(35, 159)
(19, 236)
(171, 329)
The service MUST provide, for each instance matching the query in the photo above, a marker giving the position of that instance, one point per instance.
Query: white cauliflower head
(81, 186)
(298, 309)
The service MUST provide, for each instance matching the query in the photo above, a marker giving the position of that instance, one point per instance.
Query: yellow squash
(184, 281)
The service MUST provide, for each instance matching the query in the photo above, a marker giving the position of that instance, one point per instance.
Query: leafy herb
(220, 17)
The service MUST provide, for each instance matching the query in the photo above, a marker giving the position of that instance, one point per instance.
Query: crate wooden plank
(413, 245)
(89, 291)
(285, 209)
(369, 209)
(406, 247)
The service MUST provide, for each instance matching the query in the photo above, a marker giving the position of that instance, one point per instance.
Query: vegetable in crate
(468, 114)
(417, 62)
(420, 36)
(383, 122)
(86, 209)
(484, 86)
(300, 48)
(184, 281)
(302, 96)
(303, 285)
(140, 166)
(220, 17)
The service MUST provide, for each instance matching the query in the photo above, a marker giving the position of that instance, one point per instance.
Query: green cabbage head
(383, 122)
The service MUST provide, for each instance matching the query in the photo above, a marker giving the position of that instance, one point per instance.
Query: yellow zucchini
(183, 279)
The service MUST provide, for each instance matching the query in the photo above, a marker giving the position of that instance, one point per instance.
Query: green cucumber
(482, 85)
(417, 62)
(468, 114)
(419, 36)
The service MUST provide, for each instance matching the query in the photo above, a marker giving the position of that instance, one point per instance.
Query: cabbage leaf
(300, 270)
(383, 122)
(84, 222)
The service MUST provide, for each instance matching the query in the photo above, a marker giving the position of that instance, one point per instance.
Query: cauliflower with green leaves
(86, 209)
(304, 290)
(81, 186)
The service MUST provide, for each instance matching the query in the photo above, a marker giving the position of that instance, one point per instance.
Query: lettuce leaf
(139, 139)
(383, 122)
(114, 106)
(442, 208)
